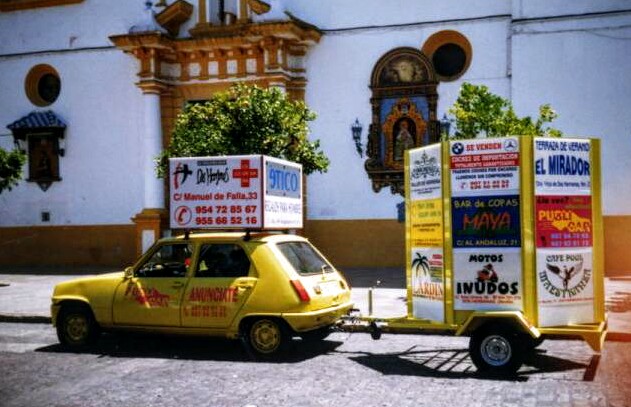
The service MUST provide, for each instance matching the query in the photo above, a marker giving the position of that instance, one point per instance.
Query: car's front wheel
(76, 327)
(267, 336)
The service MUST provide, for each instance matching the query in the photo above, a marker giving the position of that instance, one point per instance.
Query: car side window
(222, 260)
(170, 260)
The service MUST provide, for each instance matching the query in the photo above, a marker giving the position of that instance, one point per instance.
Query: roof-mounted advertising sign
(235, 192)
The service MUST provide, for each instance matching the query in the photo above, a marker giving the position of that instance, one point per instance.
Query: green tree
(246, 120)
(10, 168)
(478, 112)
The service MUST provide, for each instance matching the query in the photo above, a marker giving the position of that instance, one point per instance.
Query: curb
(618, 337)
(27, 319)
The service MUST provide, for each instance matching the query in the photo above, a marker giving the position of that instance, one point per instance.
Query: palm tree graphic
(421, 263)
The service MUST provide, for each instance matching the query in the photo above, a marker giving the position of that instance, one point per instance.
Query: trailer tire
(496, 349)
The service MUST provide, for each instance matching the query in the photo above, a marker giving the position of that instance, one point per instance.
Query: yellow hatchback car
(264, 288)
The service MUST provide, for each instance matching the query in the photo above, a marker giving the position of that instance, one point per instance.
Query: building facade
(92, 88)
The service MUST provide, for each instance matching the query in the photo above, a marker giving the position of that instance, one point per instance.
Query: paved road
(348, 369)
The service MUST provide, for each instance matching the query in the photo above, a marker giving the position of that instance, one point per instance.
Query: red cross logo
(245, 173)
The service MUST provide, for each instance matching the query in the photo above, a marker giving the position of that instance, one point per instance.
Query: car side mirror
(129, 272)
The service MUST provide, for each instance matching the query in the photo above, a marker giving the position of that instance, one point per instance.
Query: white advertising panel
(564, 231)
(428, 283)
(562, 166)
(488, 279)
(484, 166)
(425, 173)
(235, 192)
(283, 194)
(565, 286)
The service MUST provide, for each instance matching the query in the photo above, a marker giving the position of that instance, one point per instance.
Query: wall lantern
(62, 146)
(356, 131)
(445, 126)
(41, 135)
(20, 144)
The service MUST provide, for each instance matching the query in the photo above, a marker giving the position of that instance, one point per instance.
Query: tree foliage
(246, 120)
(479, 112)
(10, 168)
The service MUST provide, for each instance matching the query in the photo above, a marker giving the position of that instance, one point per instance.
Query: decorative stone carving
(404, 99)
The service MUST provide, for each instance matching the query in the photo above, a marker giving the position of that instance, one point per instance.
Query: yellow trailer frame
(526, 321)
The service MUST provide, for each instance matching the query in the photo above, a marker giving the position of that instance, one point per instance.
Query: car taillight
(300, 290)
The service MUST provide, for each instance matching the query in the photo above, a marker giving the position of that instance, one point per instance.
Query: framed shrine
(41, 136)
(404, 99)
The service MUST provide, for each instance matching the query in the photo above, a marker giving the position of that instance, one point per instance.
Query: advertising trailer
(504, 243)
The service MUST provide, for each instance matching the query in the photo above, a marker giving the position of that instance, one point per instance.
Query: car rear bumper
(307, 321)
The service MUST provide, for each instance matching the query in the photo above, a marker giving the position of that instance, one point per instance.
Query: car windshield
(303, 258)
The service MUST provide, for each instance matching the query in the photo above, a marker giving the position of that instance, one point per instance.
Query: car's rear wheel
(268, 336)
(76, 327)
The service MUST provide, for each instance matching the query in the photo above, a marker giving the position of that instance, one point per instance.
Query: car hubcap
(77, 328)
(265, 336)
(496, 350)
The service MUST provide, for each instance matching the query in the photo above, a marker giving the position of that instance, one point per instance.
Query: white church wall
(338, 91)
(76, 26)
(528, 9)
(581, 68)
(335, 14)
(98, 101)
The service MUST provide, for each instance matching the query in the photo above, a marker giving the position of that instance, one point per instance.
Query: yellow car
(263, 287)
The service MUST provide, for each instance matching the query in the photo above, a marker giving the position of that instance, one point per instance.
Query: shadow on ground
(456, 364)
(134, 345)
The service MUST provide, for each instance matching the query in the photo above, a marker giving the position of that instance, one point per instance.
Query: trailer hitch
(375, 330)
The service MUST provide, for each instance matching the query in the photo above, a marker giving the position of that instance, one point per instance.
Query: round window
(450, 53)
(42, 85)
(449, 60)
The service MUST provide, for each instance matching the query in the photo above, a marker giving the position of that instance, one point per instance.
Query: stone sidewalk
(25, 294)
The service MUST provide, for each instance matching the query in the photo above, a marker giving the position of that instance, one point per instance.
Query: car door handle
(245, 285)
(177, 284)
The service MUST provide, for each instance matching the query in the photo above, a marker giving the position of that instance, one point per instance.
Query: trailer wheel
(496, 349)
